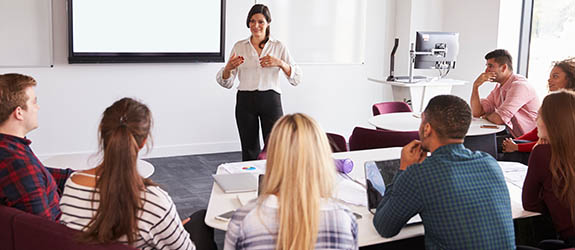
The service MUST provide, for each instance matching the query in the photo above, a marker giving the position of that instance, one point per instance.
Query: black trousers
(201, 234)
(253, 108)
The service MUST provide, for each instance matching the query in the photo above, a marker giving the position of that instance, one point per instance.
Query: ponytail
(263, 42)
(123, 131)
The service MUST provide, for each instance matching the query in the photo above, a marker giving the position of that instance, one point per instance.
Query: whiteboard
(25, 33)
(320, 31)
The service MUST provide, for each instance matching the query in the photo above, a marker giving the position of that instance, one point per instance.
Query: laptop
(236, 183)
(378, 175)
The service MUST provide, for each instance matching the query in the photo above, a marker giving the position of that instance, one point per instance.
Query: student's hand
(186, 220)
(509, 145)
(234, 62)
(270, 61)
(542, 141)
(411, 153)
(484, 77)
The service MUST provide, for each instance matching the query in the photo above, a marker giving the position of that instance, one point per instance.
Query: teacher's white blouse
(252, 75)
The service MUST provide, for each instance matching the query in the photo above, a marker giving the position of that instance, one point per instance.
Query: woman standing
(257, 62)
(549, 186)
(295, 210)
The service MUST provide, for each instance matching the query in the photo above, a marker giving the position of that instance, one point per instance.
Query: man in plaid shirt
(24, 182)
(461, 195)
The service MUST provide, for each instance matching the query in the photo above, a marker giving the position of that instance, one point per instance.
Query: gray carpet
(188, 180)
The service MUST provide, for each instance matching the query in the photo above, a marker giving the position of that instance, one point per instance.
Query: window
(551, 38)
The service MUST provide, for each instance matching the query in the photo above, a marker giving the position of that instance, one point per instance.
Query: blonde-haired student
(295, 209)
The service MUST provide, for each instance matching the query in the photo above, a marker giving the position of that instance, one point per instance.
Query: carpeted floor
(188, 180)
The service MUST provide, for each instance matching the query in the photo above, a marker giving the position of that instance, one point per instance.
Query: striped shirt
(159, 225)
(461, 196)
(255, 227)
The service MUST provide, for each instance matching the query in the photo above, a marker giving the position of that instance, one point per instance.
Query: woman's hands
(270, 61)
(542, 141)
(234, 62)
(509, 145)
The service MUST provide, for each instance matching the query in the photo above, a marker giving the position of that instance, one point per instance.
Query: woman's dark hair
(568, 67)
(261, 9)
(124, 130)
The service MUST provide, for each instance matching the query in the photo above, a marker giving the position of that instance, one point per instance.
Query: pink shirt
(515, 102)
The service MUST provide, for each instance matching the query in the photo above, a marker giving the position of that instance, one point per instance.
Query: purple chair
(337, 142)
(21, 230)
(390, 107)
(365, 138)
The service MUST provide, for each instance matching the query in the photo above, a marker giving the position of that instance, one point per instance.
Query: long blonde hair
(558, 114)
(300, 171)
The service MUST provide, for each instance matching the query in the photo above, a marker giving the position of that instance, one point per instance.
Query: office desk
(477, 138)
(84, 161)
(419, 93)
(409, 121)
(221, 202)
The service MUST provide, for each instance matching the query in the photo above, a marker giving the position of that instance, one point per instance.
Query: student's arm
(28, 191)
(60, 176)
(168, 231)
(517, 96)
(400, 202)
(477, 108)
(532, 194)
(495, 118)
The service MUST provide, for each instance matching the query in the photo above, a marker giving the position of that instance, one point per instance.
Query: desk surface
(409, 121)
(221, 202)
(84, 161)
(424, 83)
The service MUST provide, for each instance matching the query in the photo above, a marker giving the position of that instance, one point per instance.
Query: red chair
(337, 142)
(365, 138)
(390, 107)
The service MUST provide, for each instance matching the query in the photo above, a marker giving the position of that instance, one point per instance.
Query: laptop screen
(378, 175)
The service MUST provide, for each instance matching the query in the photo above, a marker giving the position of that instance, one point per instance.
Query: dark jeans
(201, 234)
(252, 108)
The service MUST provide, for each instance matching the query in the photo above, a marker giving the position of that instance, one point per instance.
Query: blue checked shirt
(254, 226)
(461, 197)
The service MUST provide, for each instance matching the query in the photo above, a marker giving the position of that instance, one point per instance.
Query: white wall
(195, 115)
(192, 113)
(477, 23)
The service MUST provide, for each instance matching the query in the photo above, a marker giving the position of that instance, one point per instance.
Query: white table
(409, 121)
(85, 161)
(221, 202)
(419, 93)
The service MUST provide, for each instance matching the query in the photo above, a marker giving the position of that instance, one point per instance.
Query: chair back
(22, 230)
(337, 142)
(365, 138)
(390, 107)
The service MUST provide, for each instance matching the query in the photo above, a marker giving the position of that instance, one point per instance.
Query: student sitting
(112, 202)
(549, 184)
(25, 183)
(295, 209)
(562, 76)
(461, 195)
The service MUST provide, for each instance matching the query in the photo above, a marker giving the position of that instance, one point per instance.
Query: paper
(514, 172)
(245, 198)
(350, 192)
